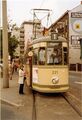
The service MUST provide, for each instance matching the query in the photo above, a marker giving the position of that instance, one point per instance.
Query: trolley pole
(30, 62)
(34, 19)
(5, 45)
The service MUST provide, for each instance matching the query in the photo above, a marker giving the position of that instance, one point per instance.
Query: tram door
(29, 71)
(30, 54)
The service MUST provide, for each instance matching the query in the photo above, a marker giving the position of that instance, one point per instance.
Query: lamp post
(5, 45)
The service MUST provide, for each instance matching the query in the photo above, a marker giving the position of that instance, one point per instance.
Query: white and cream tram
(48, 65)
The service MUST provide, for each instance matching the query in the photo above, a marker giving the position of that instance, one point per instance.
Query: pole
(30, 65)
(5, 45)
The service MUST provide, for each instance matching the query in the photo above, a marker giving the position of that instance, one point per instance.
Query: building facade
(75, 34)
(29, 30)
(61, 26)
(69, 25)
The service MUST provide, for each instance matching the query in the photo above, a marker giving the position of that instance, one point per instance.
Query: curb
(11, 103)
(75, 72)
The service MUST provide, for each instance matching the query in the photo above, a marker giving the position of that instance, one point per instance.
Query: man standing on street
(21, 80)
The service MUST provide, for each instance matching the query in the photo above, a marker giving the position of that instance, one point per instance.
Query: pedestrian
(21, 80)
(24, 74)
(10, 70)
(54, 56)
(13, 66)
(42, 56)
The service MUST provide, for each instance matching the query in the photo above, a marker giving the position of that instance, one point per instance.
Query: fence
(75, 67)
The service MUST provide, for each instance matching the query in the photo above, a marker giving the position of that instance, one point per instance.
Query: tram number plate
(54, 72)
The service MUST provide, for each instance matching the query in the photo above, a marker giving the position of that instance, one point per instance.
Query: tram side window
(42, 56)
(65, 55)
(35, 56)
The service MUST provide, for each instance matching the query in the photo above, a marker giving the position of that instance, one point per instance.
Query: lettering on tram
(54, 72)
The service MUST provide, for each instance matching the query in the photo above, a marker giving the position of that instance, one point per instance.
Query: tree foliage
(12, 45)
(12, 41)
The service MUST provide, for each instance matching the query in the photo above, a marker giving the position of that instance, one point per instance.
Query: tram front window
(42, 56)
(65, 55)
(54, 55)
(35, 57)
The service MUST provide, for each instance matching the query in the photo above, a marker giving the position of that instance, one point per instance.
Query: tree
(12, 41)
(13, 44)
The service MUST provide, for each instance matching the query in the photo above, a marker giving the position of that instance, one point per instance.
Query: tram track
(34, 115)
(69, 99)
(43, 97)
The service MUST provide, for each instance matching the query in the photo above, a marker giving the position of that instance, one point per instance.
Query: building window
(75, 40)
(21, 47)
(21, 52)
(21, 42)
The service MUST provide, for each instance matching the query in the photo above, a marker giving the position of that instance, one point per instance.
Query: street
(48, 107)
(54, 106)
(75, 81)
(44, 106)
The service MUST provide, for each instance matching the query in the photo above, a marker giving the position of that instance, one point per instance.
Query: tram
(47, 64)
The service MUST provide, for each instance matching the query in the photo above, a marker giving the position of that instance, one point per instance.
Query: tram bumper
(50, 88)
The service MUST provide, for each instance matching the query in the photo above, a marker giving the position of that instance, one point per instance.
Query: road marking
(78, 83)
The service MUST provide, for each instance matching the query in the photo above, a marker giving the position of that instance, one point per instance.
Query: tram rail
(69, 100)
(34, 109)
(34, 115)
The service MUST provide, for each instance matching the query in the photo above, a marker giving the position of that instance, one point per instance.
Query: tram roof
(48, 39)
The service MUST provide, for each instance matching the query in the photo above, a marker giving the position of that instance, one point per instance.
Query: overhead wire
(48, 15)
(42, 3)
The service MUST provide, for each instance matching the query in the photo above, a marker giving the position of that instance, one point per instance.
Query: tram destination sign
(52, 44)
(76, 15)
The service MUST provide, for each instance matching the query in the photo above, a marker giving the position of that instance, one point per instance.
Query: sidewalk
(11, 95)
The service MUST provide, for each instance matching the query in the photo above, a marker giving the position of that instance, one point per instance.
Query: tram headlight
(55, 80)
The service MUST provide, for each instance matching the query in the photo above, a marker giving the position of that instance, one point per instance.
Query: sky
(19, 11)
